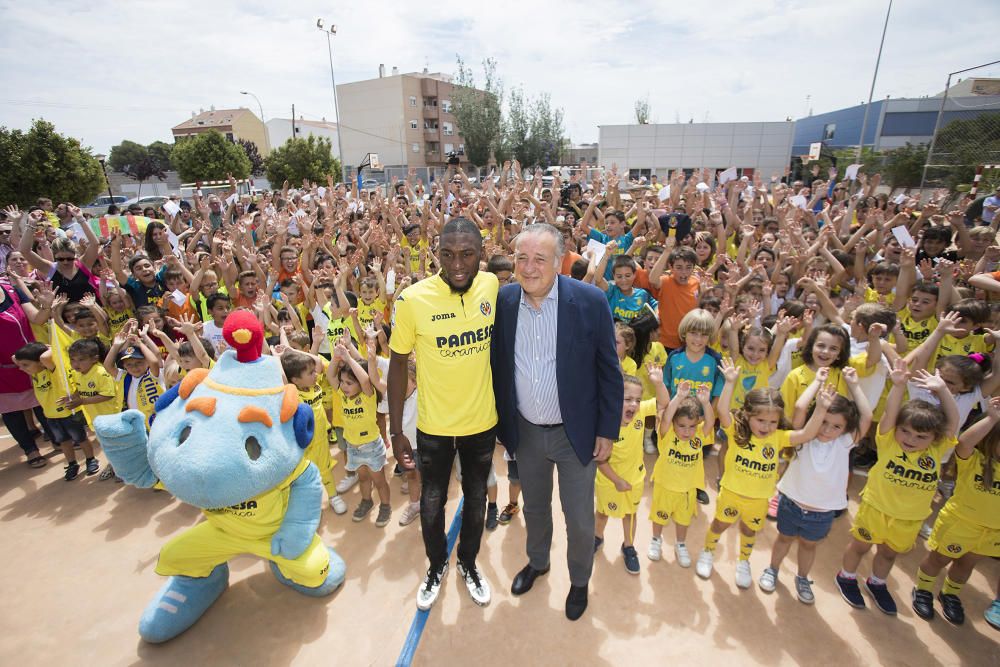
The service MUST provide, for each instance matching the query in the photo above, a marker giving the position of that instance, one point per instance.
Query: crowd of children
(800, 330)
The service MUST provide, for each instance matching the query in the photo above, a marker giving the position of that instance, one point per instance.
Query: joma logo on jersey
(907, 473)
(442, 316)
(465, 338)
(756, 465)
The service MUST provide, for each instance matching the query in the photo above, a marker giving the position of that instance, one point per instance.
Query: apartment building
(406, 118)
(234, 124)
(279, 130)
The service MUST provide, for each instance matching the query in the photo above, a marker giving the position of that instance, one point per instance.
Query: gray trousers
(539, 449)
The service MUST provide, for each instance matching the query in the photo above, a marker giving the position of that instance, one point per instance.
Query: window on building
(431, 147)
(229, 135)
(639, 173)
(448, 129)
(413, 125)
(446, 106)
(413, 101)
(416, 148)
(461, 149)
(828, 131)
(448, 148)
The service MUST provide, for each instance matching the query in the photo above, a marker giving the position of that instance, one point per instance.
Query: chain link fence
(967, 134)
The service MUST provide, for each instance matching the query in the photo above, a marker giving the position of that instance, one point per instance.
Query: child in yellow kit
(356, 389)
(680, 468)
(303, 370)
(68, 426)
(912, 440)
(619, 483)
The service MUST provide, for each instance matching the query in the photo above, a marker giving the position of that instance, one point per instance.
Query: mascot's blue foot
(334, 577)
(180, 603)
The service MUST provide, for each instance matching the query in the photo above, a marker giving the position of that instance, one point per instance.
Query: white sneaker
(649, 445)
(338, 505)
(410, 514)
(744, 578)
(404, 488)
(430, 588)
(345, 484)
(655, 549)
(768, 579)
(926, 529)
(478, 587)
(683, 556)
(704, 566)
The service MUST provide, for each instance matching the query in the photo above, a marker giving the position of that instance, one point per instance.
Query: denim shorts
(68, 429)
(794, 521)
(370, 455)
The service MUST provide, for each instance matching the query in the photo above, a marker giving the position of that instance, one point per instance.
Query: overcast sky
(106, 71)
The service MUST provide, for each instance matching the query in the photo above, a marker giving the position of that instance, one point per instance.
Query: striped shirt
(535, 359)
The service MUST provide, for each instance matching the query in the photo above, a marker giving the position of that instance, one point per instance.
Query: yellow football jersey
(680, 466)
(360, 425)
(98, 382)
(972, 500)
(902, 484)
(626, 454)
(261, 516)
(752, 471)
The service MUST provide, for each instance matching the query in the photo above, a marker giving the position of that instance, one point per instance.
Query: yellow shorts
(876, 527)
(681, 506)
(954, 537)
(614, 503)
(196, 552)
(318, 452)
(731, 505)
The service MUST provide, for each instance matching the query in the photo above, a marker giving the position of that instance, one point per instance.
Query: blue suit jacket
(588, 374)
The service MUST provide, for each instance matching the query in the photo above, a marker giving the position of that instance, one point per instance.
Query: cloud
(107, 71)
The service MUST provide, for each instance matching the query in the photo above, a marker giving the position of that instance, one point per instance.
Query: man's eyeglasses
(66, 259)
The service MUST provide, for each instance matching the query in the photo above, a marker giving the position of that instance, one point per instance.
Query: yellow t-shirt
(48, 391)
(950, 345)
(871, 296)
(915, 332)
(626, 454)
(260, 517)
(973, 501)
(629, 367)
(360, 424)
(657, 355)
(415, 252)
(751, 377)
(366, 312)
(752, 471)
(680, 466)
(796, 382)
(451, 336)
(117, 319)
(336, 327)
(98, 382)
(902, 484)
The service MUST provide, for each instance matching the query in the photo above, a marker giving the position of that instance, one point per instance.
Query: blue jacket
(591, 389)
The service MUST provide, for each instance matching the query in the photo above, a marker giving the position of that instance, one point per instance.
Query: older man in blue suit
(559, 394)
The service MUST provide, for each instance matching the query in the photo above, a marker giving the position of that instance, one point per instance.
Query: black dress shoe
(576, 602)
(525, 579)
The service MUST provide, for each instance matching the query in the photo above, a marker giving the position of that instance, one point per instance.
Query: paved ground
(80, 558)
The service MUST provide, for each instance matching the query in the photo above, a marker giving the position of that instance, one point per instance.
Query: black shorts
(68, 429)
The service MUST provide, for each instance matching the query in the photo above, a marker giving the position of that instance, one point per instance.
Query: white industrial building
(279, 131)
(643, 150)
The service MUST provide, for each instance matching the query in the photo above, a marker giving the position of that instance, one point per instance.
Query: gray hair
(540, 228)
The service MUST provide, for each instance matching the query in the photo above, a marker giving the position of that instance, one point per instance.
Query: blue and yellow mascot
(231, 442)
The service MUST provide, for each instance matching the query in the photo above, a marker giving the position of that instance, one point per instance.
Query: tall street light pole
(267, 139)
(333, 82)
(864, 123)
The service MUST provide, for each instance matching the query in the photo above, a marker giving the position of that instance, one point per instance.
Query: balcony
(432, 135)
(428, 87)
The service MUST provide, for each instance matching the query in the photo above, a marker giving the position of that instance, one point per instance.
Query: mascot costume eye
(229, 441)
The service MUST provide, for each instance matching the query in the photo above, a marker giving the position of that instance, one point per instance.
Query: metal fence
(967, 140)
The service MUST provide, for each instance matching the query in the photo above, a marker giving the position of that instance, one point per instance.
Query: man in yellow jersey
(447, 320)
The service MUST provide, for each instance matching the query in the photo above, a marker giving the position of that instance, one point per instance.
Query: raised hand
(932, 383)
(729, 370)
(825, 396)
(898, 374)
(655, 373)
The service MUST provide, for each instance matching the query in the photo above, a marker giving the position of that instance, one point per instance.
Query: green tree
(256, 161)
(547, 137)
(209, 156)
(310, 158)
(140, 162)
(43, 163)
(642, 110)
(517, 142)
(478, 111)
(902, 167)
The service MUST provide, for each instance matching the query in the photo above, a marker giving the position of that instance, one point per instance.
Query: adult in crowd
(70, 274)
(559, 395)
(446, 320)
